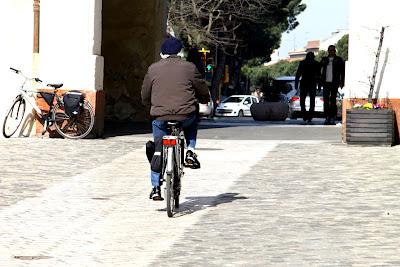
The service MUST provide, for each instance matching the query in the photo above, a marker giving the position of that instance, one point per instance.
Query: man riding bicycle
(173, 87)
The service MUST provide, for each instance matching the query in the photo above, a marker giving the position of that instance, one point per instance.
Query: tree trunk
(217, 76)
(236, 73)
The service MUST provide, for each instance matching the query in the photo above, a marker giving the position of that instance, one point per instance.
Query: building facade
(366, 20)
(100, 47)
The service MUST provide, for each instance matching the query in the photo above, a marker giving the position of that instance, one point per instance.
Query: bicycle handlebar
(15, 70)
(19, 72)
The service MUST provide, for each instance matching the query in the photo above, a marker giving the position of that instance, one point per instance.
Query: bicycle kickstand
(45, 126)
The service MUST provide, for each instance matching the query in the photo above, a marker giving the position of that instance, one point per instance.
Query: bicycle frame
(24, 92)
(171, 149)
(172, 146)
(172, 169)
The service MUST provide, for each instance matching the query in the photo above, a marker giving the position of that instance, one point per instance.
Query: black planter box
(269, 111)
(370, 127)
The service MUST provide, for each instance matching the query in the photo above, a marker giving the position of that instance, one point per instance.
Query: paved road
(265, 202)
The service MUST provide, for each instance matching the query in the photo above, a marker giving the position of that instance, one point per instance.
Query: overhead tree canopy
(242, 29)
(247, 28)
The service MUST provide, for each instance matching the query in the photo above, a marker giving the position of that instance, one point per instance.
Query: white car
(236, 106)
(295, 109)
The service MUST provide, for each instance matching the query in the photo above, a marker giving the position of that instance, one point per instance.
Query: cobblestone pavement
(253, 203)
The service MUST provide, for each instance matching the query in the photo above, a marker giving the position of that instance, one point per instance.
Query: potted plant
(371, 121)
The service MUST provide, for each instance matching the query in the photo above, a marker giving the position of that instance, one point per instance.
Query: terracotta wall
(131, 37)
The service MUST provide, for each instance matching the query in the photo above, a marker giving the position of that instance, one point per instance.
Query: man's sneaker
(155, 194)
(191, 160)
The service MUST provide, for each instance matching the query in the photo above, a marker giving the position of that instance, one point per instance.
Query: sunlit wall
(367, 17)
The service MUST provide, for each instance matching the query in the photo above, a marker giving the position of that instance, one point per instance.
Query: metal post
(36, 22)
(378, 53)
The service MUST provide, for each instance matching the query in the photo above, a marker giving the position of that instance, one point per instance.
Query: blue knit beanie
(171, 46)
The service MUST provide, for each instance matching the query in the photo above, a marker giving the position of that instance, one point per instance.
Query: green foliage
(320, 55)
(259, 74)
(260, 39)
(342, 47)
(283, 68)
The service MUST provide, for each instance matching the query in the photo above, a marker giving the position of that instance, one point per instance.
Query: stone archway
(131, 35)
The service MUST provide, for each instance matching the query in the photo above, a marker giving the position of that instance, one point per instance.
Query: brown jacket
(173, 87)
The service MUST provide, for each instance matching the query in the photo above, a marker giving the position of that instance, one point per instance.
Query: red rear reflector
(169, 142)
(294, 98)
(322, 99)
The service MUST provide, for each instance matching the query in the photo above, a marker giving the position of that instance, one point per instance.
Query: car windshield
(283, 86)
(233, 99)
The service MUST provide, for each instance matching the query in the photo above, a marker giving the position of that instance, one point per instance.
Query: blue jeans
(160, 129)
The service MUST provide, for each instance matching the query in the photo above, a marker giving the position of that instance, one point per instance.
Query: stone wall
(131, 37)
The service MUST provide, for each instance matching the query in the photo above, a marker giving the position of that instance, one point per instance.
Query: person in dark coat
(332, 77)
(172, 88)
(308, 71)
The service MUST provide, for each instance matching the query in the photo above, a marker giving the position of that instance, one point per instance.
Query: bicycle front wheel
(14, 117)
(76, 127)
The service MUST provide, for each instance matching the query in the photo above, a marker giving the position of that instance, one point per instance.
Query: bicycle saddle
(55, 85)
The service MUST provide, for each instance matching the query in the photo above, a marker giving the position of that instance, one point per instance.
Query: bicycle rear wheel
(76, 127)
(14, 117)
(170, 194)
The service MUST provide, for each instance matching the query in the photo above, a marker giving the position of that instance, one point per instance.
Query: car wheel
(240, 114)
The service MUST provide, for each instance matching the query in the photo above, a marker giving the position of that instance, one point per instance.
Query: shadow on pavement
(194, 204)
(121, 128)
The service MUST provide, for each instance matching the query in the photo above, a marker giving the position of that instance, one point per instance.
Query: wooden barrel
(269, 111)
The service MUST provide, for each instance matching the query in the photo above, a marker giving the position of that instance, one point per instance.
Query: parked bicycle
(71, 114)
(173, 163)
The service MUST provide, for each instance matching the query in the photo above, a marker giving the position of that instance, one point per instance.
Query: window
(233, 99)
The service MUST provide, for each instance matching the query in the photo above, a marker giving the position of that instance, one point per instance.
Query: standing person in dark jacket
(173, 87)
(308, 71)
(333, 72)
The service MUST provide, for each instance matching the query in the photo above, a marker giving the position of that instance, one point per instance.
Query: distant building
(313, 46)
(297, 55)
(333, 39)
(316, 45)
